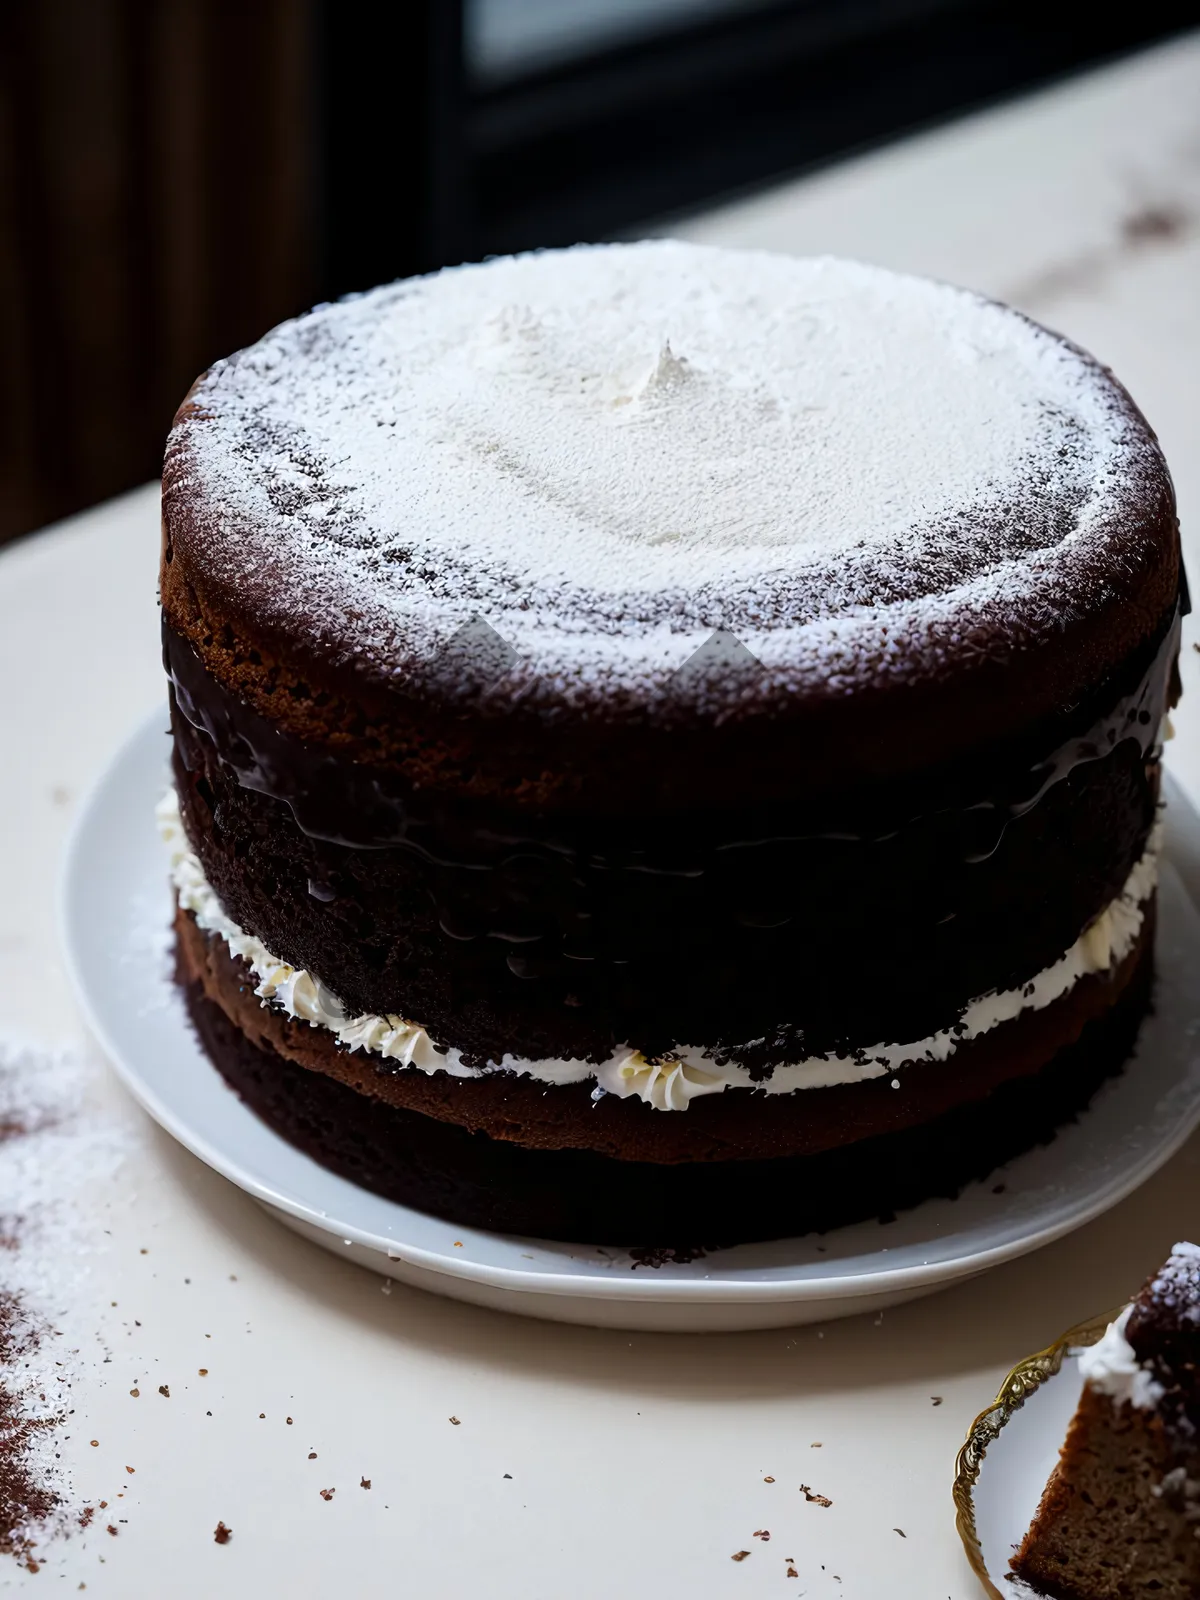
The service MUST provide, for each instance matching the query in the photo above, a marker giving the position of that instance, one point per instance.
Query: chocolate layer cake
(1120, 1518)
(666, 739)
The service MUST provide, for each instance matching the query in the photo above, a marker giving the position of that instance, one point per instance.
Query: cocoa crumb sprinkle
(813, 1498)
(222, 1534)
(28, 1498)
(739, 1555)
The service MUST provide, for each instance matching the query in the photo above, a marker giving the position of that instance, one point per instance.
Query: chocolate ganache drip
(347, 803)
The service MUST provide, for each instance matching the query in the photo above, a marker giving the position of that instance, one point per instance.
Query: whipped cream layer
(1111, 1367)
(670, 1082)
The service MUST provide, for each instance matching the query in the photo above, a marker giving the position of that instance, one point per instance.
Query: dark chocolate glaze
(762, 935)
(348, 803)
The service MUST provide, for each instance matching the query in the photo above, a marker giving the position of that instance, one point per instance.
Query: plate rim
(1022, 1381)
(923, 1275)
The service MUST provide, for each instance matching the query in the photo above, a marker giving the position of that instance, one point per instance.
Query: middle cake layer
(669, 1082)
(758, 941)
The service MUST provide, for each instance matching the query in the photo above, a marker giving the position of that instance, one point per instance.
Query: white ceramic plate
(115, 914)
(1010, 1452)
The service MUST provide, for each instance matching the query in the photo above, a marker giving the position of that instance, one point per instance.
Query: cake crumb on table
(222, 1534)
(739, 1555)
(327, 1494)
(456, 1422)
(364, 1483)
(813, 1498)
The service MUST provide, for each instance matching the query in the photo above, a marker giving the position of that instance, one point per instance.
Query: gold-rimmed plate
(1009, 1452)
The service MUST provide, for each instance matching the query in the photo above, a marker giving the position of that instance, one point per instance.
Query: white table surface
(637, 1461)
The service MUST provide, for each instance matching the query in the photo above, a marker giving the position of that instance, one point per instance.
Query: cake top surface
(1162, 1328)
(609, 453)
(1169, 1303)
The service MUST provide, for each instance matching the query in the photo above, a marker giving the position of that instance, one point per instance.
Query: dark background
(178, 175)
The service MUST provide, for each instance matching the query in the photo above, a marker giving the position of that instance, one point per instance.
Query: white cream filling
(667, 1083)
(1112, 1368)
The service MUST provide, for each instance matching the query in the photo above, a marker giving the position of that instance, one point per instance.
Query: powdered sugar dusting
(1176, 1286)
(607, 452)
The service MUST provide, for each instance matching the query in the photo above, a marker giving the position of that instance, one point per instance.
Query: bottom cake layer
(472, 1179)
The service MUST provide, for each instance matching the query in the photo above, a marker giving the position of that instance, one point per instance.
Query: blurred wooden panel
(157, 174)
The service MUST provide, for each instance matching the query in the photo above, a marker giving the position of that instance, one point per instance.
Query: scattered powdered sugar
(54, 1149)
(609, 451)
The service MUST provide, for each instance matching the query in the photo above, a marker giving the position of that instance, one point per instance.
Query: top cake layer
(608, 454)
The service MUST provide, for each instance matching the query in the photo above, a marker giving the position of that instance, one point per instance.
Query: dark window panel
(506, 39)
(602, 142)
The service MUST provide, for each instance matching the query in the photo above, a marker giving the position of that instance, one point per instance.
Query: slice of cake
(1120, 1518)
(666, 740)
